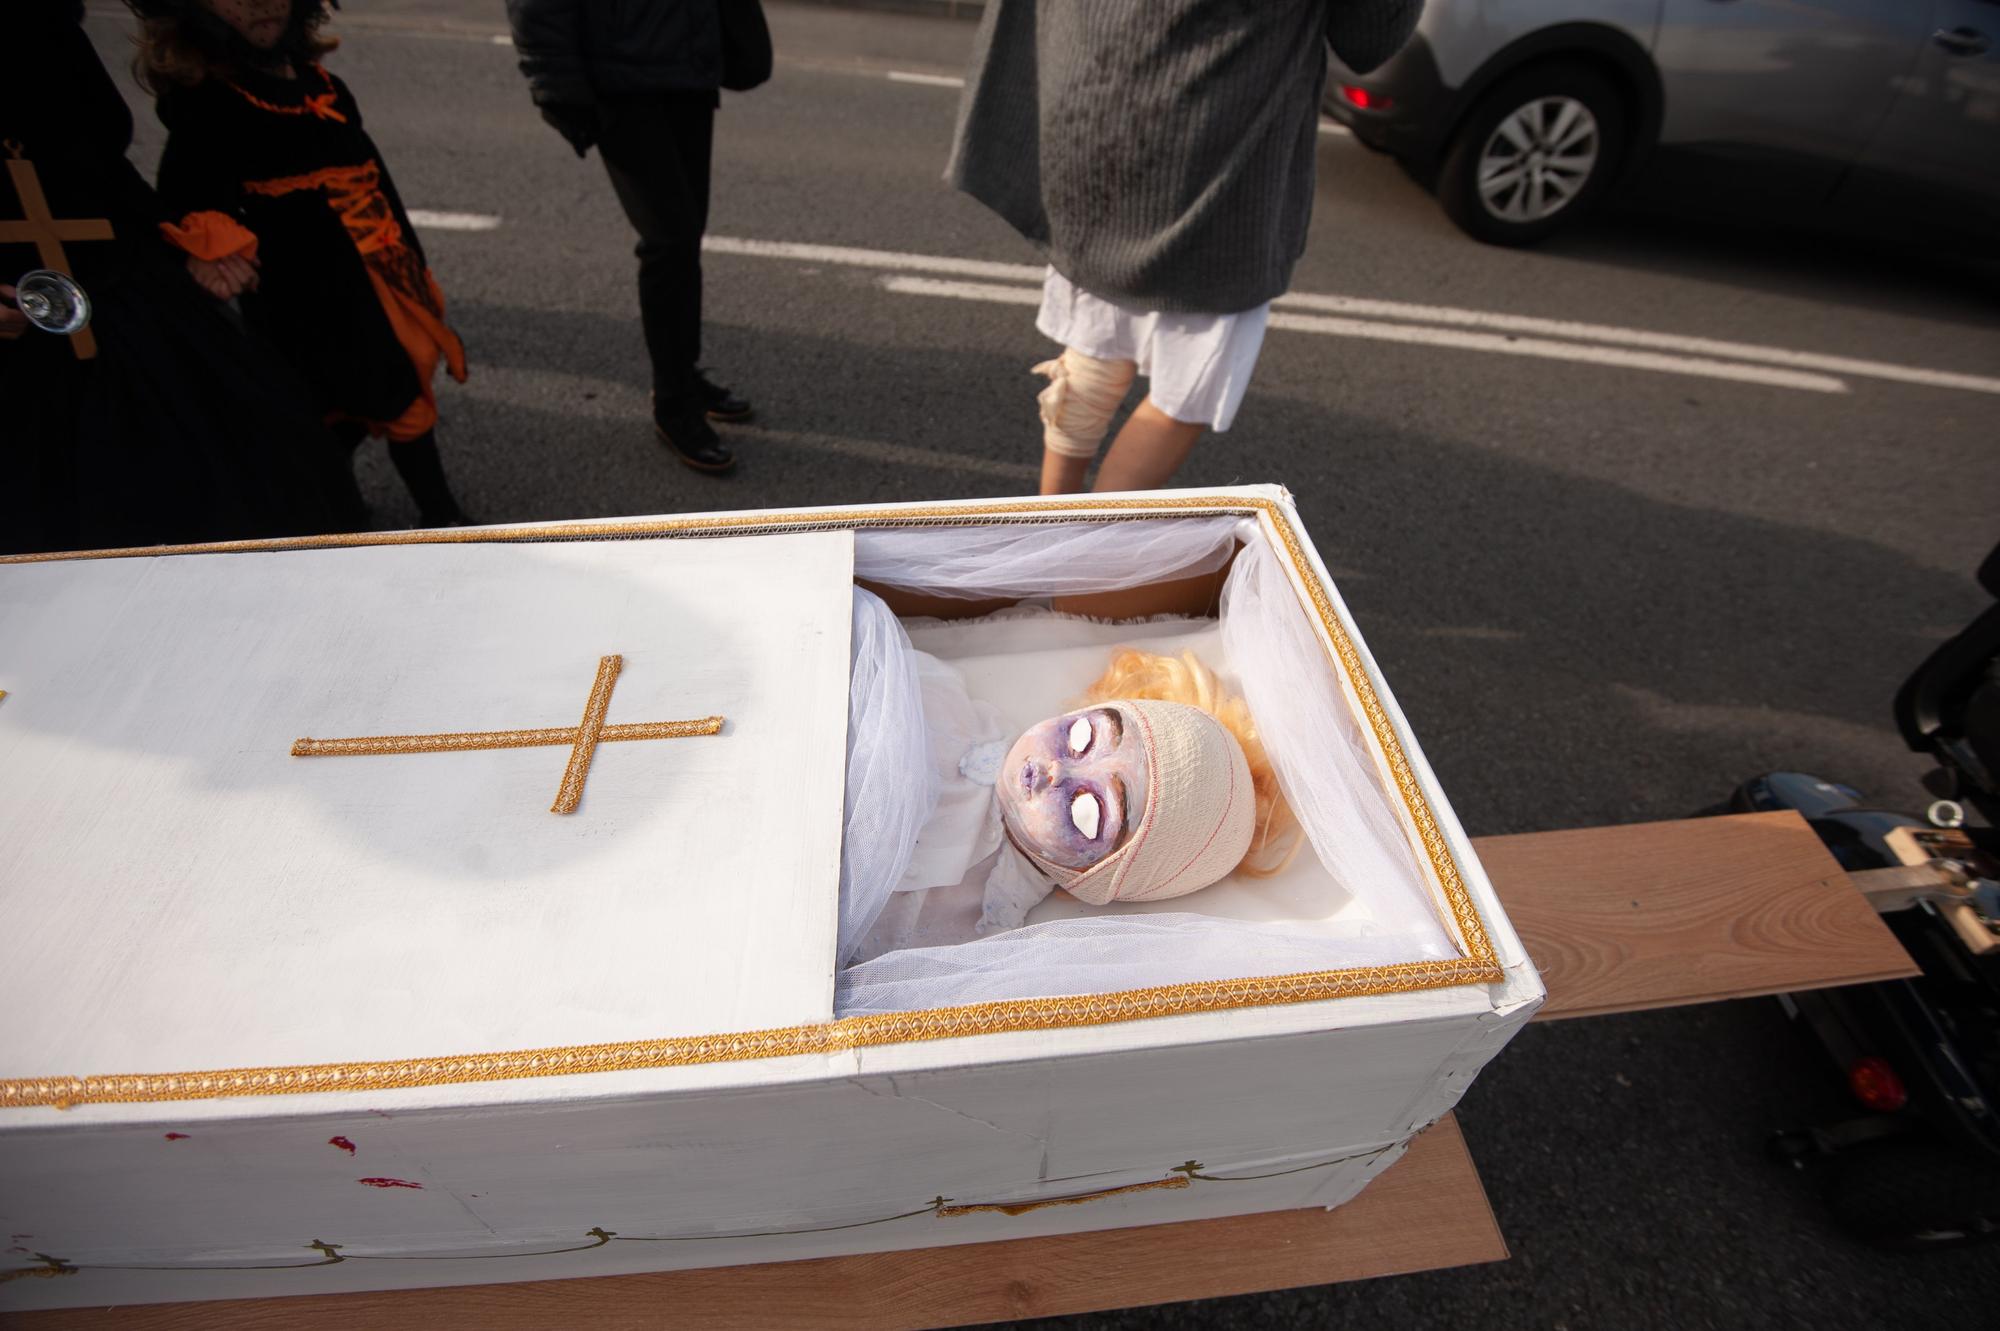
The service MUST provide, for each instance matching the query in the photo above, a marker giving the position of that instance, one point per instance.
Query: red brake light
(1366, 100)
(1876, 1085)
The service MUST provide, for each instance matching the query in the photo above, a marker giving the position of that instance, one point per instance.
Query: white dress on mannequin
(962, 877)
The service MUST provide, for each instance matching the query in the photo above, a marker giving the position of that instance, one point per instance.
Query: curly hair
(1184, 679)
(182, 49)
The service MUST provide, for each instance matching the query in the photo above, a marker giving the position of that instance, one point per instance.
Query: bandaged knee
(1082, 397)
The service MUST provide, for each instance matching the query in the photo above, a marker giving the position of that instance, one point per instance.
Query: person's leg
(417, 462)
(1148, 450)
(1084, 393)
(656, 150)
(1062, 474)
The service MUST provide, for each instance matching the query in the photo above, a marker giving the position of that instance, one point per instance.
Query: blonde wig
(1278, 837)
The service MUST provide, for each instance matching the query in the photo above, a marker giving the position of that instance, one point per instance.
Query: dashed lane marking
(437, 221)
(927, 80)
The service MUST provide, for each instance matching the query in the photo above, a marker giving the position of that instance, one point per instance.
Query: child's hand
(13, 323)
(224, 278)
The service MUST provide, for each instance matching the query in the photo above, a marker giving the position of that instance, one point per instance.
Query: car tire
(1915, 1195)
(1535, 153)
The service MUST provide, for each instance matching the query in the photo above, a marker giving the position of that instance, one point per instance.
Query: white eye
(1079, 735)
(1083, 812)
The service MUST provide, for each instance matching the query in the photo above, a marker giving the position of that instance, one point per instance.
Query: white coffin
(280, 1024)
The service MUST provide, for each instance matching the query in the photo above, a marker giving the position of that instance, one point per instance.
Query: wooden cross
(40, 228)
(582, 739)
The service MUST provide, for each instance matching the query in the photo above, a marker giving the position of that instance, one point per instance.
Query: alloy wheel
(1538, 159)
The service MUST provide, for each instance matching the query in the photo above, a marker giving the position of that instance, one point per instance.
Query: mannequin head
(1072, 787)
(1153, 792)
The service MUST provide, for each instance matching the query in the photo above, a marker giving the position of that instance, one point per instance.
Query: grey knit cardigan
(1160, 152)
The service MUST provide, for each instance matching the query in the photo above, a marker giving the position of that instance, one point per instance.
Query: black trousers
(656, 149)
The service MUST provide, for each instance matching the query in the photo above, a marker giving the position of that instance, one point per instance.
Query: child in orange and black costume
(279, 187)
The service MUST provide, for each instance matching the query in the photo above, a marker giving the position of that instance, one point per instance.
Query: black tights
(417, 462)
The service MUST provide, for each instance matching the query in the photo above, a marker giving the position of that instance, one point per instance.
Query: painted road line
(1638, 337)
(1415, 335)
(858, 258)
(1335, 127)
(501, 39)
(1703, 347)
(986, 291)
(435, 221)
(927, 80)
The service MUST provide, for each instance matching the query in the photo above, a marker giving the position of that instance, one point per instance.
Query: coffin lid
(181, 891)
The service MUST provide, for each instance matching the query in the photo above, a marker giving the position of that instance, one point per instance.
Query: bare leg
(1062, 474)
(1148, 450)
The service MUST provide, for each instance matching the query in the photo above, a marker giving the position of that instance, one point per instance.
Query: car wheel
(1915, 1195)
(1534, 154)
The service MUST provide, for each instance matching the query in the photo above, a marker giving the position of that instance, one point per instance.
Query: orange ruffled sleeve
(211, 236)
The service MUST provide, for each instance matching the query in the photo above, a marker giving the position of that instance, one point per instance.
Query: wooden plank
(1427, 1211)
(1663, 914)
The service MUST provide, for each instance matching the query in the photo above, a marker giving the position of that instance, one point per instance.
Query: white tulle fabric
(1050, 559)
(1098, 955)
(892, 787)
(1323, 759)
(1326, 766)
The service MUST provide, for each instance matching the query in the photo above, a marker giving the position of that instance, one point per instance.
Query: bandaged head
(1129, 800)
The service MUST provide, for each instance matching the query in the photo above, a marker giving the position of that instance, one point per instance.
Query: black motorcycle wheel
(1915, 1196)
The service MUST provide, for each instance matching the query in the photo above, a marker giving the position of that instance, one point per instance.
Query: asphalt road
(1602, 592)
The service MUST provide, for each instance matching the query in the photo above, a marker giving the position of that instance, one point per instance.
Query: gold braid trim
(460, 741)
(1479, 965)
(1037, 1014)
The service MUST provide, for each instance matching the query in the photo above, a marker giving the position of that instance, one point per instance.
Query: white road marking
(1414, 335)
(501, 39)
(1702, 347)
(928, 80)
(1334, 127)
(858, 258)
(435, 221)
(1542, 348)
(1639, 337)
(986, 291)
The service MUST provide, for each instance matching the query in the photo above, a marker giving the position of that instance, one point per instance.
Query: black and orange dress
(282, 168)
(175, 426)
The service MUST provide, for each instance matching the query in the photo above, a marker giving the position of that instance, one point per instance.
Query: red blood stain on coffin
(342, 1143)
(177, 1136)
(390, 1183)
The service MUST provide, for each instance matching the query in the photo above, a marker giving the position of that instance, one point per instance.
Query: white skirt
(1197, 366)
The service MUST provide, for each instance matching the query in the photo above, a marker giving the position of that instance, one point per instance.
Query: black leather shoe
(689, 436)
(720, 403)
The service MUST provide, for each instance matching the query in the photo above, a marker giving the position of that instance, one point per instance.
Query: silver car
(1523, 113)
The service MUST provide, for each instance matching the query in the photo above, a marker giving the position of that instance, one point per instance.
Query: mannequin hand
(13, 323)
(581, 123)
(224, 278)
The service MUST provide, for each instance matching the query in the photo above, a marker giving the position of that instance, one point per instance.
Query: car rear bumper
(1420, 110)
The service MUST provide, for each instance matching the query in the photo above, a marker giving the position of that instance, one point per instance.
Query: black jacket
(576, 51)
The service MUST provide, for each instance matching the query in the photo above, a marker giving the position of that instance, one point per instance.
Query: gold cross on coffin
(40, 228)
(583, 739)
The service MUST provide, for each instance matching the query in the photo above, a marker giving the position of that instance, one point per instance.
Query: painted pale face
(258, 22)
(1073, 786)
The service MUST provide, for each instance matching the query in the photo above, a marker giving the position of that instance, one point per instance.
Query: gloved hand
(579, 122)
